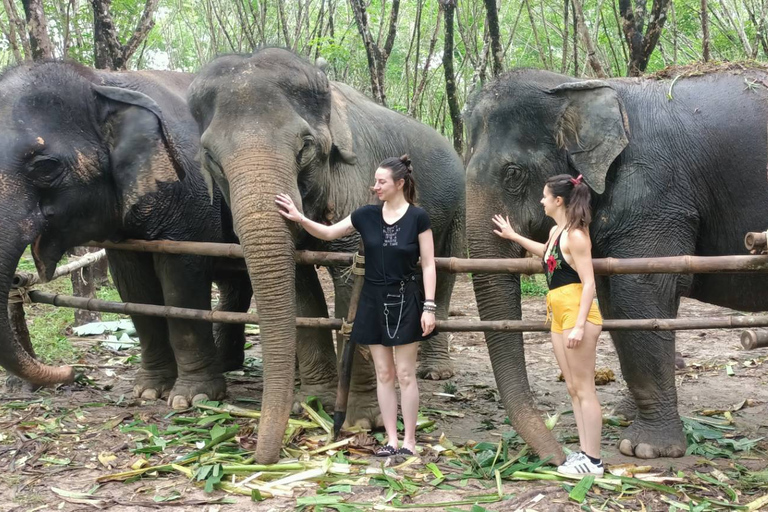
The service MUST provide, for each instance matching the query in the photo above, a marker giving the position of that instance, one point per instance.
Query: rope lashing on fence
(357, 268)
(19, 296)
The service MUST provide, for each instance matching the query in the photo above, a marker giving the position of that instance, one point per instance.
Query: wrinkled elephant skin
(94, 155)
(664, 167)
(272, 123)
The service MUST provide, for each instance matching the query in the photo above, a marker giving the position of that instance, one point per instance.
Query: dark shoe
(386, 451)
(405, 451)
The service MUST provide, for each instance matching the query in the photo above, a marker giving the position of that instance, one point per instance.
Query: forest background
(420, 57)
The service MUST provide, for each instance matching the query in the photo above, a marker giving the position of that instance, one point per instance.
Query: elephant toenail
(200, 397)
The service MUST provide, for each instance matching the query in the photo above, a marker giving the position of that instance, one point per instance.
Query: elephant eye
(514, 178)
(44, 170)
(306, 152)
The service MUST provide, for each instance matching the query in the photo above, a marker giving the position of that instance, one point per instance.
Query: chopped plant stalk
(332, 446)
(325, 425)
(579, 492)
(220, 437)
(248, 413)
(276, 468)
(118, 477)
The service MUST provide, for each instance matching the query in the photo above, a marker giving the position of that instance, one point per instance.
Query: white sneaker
(579, 464)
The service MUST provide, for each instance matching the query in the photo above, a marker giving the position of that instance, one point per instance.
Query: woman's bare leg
(384, 363)
(405, 360)
(581, 362)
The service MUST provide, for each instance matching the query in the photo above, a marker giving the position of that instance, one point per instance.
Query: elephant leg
(234, 295)
(314, 347)
(186, 283)
(647, 362)
(135, 280)
(435, 361)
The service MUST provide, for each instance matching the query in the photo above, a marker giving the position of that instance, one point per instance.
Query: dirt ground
(705, 383)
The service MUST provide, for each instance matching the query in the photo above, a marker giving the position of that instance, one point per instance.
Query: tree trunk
(18, 26)
(37, 26)
(564, 61)
(492, 15)
(425, 71)
(10, 35)
(592, 58)
(108, 51)
(641, 45)
(84, 285)
(377, 56)
(449, 9)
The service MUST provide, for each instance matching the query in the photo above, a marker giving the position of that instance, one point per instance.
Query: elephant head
(269, 124)
(523, 128)
(75, 157)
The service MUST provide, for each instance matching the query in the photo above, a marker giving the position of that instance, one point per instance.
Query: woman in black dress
(392, 311)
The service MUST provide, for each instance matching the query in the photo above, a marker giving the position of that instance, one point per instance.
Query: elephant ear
(142, 148)
(592, 128)
(341, 135)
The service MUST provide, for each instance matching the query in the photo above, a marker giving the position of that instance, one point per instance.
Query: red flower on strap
(551, 264)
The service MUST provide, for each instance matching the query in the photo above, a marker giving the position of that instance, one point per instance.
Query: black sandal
(386, 451)
(405, 451)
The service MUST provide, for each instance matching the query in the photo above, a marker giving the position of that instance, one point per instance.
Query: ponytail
(576, 197)
(402, 169)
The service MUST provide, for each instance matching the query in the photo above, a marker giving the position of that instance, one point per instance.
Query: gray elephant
(271, 122)
(675, 167)
(94, 155)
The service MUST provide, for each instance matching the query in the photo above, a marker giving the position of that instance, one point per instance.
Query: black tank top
(558, 271)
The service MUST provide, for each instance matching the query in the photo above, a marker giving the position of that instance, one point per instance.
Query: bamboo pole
(602, 266)
(348, 352)
(755, 241)
(27, 279)
(643, 324)
(752, 339)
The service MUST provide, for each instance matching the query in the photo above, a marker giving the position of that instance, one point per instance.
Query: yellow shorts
(563, 308)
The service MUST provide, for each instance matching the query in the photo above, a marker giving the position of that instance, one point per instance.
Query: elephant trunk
(498, 298)
(18, 230)
(268, 247)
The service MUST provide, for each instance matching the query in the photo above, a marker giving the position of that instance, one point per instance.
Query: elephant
(271, 122)
(675, 167)
(98, 155)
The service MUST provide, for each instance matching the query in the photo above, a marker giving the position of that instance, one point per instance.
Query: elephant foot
(152, 384)
(363, 410)
(646, 441)
(626, 408)
(435, 370)
(326, 393)
(196, 388)
(17, 384)
(231, 361)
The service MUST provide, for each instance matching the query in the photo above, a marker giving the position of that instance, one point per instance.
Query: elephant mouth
(46, 256)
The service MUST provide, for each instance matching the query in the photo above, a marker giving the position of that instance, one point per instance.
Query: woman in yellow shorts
(576, 321)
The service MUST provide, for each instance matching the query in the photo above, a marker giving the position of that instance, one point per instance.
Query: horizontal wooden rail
(464, 325)
(603, 266)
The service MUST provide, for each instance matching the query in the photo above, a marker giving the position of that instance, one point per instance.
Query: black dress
(392, 299)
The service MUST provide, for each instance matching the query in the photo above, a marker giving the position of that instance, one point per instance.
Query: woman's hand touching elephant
(505, 229)
(288, 209)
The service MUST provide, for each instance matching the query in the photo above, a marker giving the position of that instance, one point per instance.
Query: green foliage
(190, 33)
(533, 286)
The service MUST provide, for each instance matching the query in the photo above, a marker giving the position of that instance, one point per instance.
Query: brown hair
(576, 197)
(402, 169)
